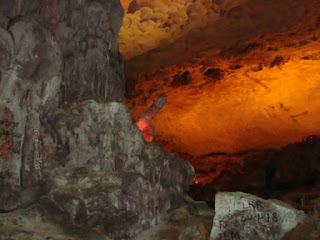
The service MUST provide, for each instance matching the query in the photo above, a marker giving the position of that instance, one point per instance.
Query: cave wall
(158, 23)
(247, 79)
(67, 140)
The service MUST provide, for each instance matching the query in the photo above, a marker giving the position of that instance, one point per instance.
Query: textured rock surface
(150, 24)
(247, 81)
(67, 140)
(244, 216)
(190, 233)
(115, 175)
(265, 173)
(309, 229)
(34, 223)
(30, 69)
(87, 32)
(186, 223)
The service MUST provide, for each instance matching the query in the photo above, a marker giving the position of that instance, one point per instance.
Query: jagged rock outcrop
(67, 140)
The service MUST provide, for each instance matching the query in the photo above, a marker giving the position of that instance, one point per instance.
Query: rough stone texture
(190, 233)
(87, 32)
(122, 183)
(34, 223)
(255, 73)
(309, 229)
(67, 142)
(183, 223)
(30, 68)
(49, 46)
(166, 21)
(244, 216)
(89, 40)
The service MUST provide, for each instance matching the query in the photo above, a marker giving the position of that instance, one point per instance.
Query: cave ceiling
(238, 74)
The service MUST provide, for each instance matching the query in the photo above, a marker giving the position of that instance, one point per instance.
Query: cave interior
(124, 119)
(242, 82)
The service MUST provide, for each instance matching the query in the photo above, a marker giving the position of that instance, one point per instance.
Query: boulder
(244, 216)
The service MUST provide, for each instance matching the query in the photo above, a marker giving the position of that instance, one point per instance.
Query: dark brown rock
(181, 80)
(309, 229)
(277, 61)
(133, 7)
(237, 66)
(296, 164)
(215, 74)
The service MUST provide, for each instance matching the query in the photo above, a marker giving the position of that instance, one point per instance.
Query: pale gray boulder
(244, 216)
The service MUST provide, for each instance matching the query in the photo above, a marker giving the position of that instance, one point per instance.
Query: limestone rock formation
(244, 216)
(67, 142)
(111, 172)
(29, 88)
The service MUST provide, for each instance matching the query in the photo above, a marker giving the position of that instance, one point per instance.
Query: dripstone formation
(67, 143)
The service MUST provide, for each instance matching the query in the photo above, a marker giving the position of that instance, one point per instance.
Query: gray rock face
(88, 36)
(66, 137)
(87, 33)
(244, 216)
(30, 69)
(125, 184)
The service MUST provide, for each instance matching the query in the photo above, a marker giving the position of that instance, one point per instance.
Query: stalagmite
(144, 120)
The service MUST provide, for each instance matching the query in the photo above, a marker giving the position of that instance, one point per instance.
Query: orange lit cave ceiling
(239, 75)
(150, 24)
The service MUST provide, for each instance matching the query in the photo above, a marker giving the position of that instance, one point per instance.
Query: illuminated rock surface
(240, 77)
(243, 83)
(251, 79)
(157, 23)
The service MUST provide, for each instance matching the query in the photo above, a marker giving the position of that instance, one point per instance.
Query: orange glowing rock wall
(238, 113)
(153, 23)
(250, 80)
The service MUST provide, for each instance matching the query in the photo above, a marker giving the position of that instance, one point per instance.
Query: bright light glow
(146, 128)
